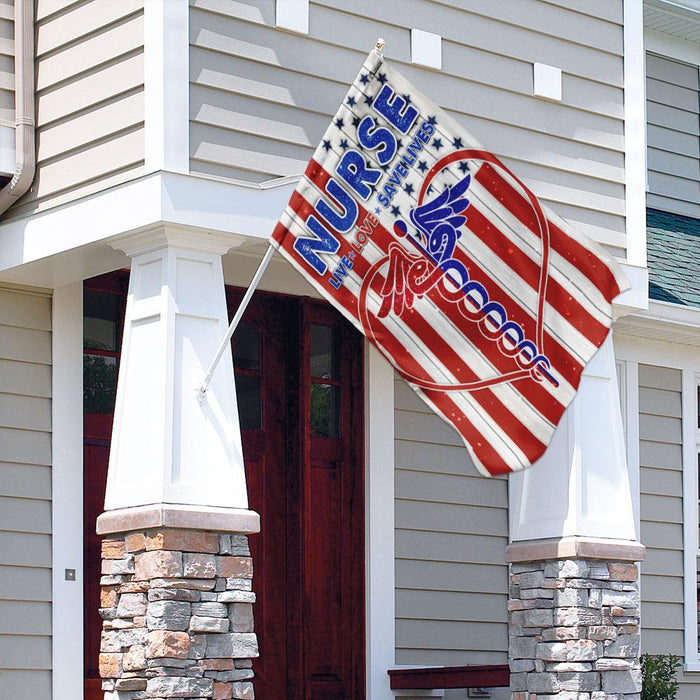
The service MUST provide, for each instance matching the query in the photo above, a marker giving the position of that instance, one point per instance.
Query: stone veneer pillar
(177, 615)
(573, 620)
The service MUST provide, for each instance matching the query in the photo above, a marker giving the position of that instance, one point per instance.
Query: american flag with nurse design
(488, 304)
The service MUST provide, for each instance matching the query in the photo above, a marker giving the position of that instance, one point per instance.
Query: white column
(580, 487)
(166, 447)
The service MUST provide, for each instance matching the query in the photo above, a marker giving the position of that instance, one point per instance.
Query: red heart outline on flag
(543, 225)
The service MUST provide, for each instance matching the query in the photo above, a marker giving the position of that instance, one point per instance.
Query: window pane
(246, 347)
(249, 401)
(324, 353)
(101, 314)
(99, 383)
(325, 410)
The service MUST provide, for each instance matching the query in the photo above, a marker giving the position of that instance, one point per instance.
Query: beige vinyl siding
(7, 63)
(451, 533)
(661, 514)
(261, 97)
(25, 494)
(90, 101)
(673, 136)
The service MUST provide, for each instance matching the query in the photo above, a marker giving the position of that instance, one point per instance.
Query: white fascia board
(636, 298)
(671, 46)
(71, 242)
(661, 320)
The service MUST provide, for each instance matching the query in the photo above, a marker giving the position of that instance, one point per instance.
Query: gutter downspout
(24, 106)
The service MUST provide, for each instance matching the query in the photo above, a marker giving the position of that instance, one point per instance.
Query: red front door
(299, 380)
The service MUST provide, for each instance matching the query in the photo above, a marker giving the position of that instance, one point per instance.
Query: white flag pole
(202, 389)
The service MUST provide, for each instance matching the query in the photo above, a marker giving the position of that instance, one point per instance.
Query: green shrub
(659, 676)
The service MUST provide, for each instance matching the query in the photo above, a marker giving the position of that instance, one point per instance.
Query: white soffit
(679, 18)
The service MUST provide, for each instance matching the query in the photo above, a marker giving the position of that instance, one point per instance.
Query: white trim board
(67, 491)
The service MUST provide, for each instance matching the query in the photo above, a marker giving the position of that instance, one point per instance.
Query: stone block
(234, 567)
(231, 645)
(110, 665)
(623, 572)
(606, 664)
(216, 664)
(135, 542)
(208, 624)
(621, 599)
(533, 579)
(182, 540)
(521, 665)
(167, 644)
(569, 667)
(199, 565)
(241, 617)
(192, 584)
(237, 584)
(132, 604)
(124, 565)
(117, 640)
(180, 687)
(538, 618)
(168, 615)
(522, 647)
(243, 691)
(241, 674)
(236, 597)
(158, 564)
(551, 651)
(222, 691)
(174, 594)
(108, 597)
(576, 617)
(113, 549)
(210, 609)
(566, 568)
(571, 598)
(599, 571)
(128, 684)
(622, 681)
(563, 633)
(543, 683)
(581, 682)
(239, 546)
(135, 658)
(133, 587)
(626, 646)
(581, 650)
(601, 633)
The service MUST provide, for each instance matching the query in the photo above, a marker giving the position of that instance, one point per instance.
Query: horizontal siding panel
(90, 53)
(669, 141)
(441, 517)
(15, 684)
(662, 509)
(448, 488)
(25, 446)
(662, 588)
(25, 652)
(419, 575)
(664, 642)
(24, 583)
(23, 617)
(663, 562)
(449, 657)
(659, 378)
(670, 94)
(454, 547)
(23, 515)
(108, 118)
(81, 21)
(26, 412)
(25, 310)
(660, 402)
(662, 616)
(662, 535)
(660, 428)
(675, 164)
(418, 427)
(661, 482)
(445, 634)
(86, 91)
(23, 480)
(675, 72)
(676, 188)
(118, 152)
(660, 455)
(670, 117)
(25, 344)
(25, 550)
(676, 206)
(451, 605)
(449, 459)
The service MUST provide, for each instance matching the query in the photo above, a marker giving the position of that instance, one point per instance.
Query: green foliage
(659, 676)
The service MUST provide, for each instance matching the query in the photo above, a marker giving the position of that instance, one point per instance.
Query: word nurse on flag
(487, 304)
